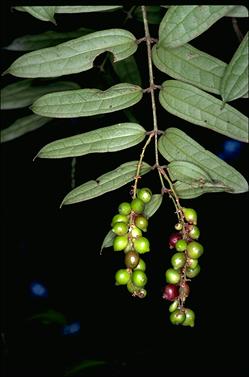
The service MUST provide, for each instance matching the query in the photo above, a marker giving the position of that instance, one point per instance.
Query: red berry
(173, 238)
(171, 292)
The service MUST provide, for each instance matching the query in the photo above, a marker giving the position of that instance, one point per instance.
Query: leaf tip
(5, 72)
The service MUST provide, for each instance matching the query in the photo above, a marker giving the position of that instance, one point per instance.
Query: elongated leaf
(174, 144)
(198, 107)
(108, 240)
(49, 317)
(49, 38)
(86, 9)
(127, 71)
(182, 23)
(86, 102)
(42, 13)
(24, 92)
(106, 139)
(190, 191)
(74, 56)
(235, 80)
(84, 365)
(189, 64)
(238, 11)
(154, 15)
(105, 183)
(22, 126)
(187, 172)
(153, 205)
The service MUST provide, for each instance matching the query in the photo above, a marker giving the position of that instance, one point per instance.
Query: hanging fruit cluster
(128, 226)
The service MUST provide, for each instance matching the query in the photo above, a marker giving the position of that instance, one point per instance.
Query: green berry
(137, 205)
(178, 226)
(178, 260)
(194, 250)
(181, 245)
(131, 259)
(177, 317)
(190, 215)
(190, 318)
(192, 263)
(119, 219)
(141, 293)
(120, 243)
(141, 222)
(120, 228)
(194, 232)
(144, 194)
(193, 272)
(135, 232)
(141, 245)
(172, 276)
(131, 287)
(173, 306)
(141, 265)
(124, 208)
(139, 278)
(122, 277)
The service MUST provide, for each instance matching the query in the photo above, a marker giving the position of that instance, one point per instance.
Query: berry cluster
(185, 266)
(129, 225)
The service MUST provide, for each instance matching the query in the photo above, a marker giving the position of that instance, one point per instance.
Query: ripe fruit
(119, 219)
(141, 245)
(194, 232)
(194, 250)
(193, 272)
(177, 317)
(170, 292)
(181, 245)
(141, 222)
(173, 238)
(135, 232)
(137, 205)
(139, 278)
(124, 208)
(122, 277)
(190, 318)
(178, 260)
(144, 194)
(141, 265)
(120, 243)
(120, 228)
(172, 276)
(131, 259)
(190, 215)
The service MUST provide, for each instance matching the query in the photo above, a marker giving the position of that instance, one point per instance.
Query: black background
(60, 247)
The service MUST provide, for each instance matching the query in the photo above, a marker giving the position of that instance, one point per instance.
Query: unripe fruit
(120, 243)
(120, 228)
(178, 226)
(135, 232)
(177, 317)
(178, 260)
(184, 290)
(194, 232)
(141, 293)
(141, 222)
(141, 245)
(122, 277)
(141, 265)
(181, 245)
(173, 306)
(131, 259)
(190, 318)
(170, 292)
(192, 263)
(172, 276)
(173, 238)
(131, 287)
(194, 250)
(144, 194)
(119, 219)
(129, 247)
(137, 205)
(124, 208)
(139, 278)
(190, 215)
(193, 272)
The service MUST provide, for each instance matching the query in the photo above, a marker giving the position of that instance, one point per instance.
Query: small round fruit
(139, 278)
(124, 208)
(193, 272)
(131, 259)
(178, 226)
(135, 232)
(137, 205)
(194, 232)
(172, 276)
(190, 215)
(190, 318)
(144, 194)
(141, 245)
(141, 265)
(173, 238)
(170, 292)
(177, 317)
(173, 306)
(192, 263)
(178, 260)
(120, 243)
(122, 277)
(141, 293)
(141, 222)
(131, 287)
(120, 228)
(184, 290)
(119, 219)
(181, 245)
(194, 250)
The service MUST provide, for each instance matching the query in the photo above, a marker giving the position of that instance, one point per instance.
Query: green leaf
(235, 80)
(190, 191)
(127, 71)
(42, 13)
(153, 205)
(24, 92)
(154, 14)
(198, 107)
(174, 144)
(238, 11)
(86, 102)
(83, 365)
(86, 9)
(187, 172)
(74, 56)
(49, 38)
(22, 126)
(182, 23)
(191, 65)
(106, 139)
(105, 183)
(49, 317)
(108, 240)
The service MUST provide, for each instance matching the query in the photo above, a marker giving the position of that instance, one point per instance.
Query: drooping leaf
(187, 172)
(190, 191)
(86, 8)
(153, 205)
(86, 102)
(235, 80)
(154, 15)
(43, 13)
(127, 71)
(22, 126)
(238, 11)
(106, 139)
(74, 56)
(50, 316)
(182, 23)
(191, 65)
(108, 240)
(84, 365)
(175, 144)
(49, 38)
(24, 92)
(198, 107)
(105, 183)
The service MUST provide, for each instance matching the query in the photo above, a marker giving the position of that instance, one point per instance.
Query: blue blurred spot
(232, 147)
(38, 289)
(221, 155)
(71, 329)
